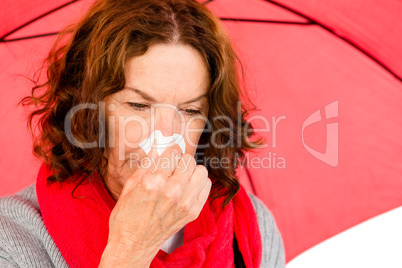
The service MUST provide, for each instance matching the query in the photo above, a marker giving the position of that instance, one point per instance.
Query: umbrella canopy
(326, 77)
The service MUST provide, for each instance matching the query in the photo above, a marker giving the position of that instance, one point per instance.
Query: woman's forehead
(167, 70)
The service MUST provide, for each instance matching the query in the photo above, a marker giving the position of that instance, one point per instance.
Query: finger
(204, 193)
(169, 159)
(149, 161)
(146, 163)
(199, 176)
(198, 200)
(184, 168)
(196, 183)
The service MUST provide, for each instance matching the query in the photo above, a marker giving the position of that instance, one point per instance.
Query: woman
(134, 74)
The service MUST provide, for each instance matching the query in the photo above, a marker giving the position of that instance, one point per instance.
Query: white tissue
(162, 142)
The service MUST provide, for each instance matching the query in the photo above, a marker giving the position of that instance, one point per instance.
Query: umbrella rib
(341, 37)
(2, 39)
(269, 21)
(311, 21)
(224, 19)
(29, 37)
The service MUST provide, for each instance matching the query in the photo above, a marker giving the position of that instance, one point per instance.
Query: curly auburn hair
(86, 64)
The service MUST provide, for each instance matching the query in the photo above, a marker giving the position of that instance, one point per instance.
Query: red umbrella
(326, 77)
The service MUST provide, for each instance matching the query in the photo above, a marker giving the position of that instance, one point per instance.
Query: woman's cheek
(134, 133)
(129, 134)
(192, 137)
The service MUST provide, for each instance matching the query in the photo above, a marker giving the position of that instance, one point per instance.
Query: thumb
(150, 160)
(146, 163)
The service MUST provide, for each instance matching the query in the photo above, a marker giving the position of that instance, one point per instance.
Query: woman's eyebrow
(142, 94)
(196, 99)
(147, 97)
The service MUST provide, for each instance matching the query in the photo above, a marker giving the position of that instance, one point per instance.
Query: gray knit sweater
(25, 242)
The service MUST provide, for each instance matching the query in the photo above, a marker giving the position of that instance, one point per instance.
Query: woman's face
(166, 91)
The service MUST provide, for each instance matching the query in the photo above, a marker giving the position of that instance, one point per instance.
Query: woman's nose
(167, 119)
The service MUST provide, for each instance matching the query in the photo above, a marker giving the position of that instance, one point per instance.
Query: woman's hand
(159, 199)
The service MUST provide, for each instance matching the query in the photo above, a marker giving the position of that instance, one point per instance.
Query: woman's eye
(192, 112)
(141, 107)
(138, 106)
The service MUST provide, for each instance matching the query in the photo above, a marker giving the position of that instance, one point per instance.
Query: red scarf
(80, 227)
